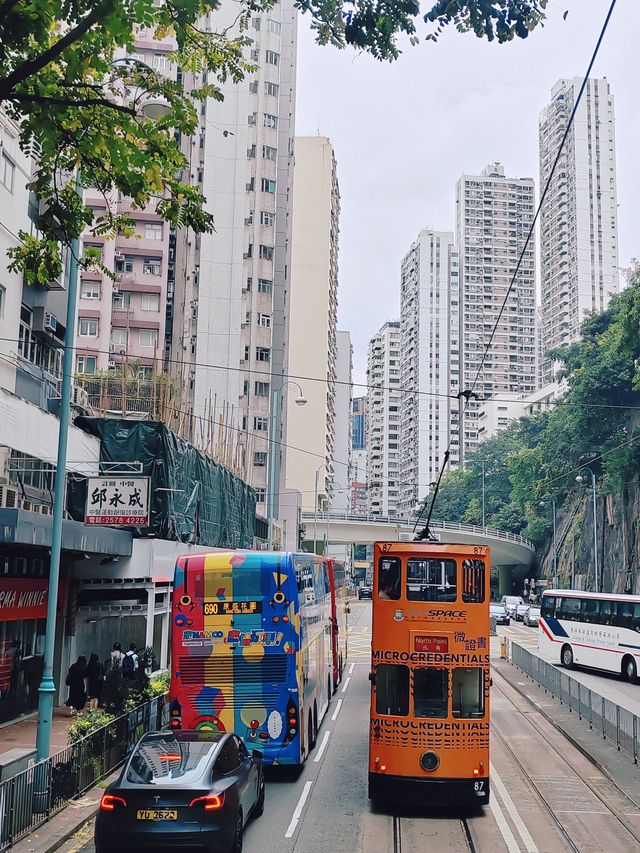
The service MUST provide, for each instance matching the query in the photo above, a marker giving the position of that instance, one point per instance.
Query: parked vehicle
(511, 602)
(501, 614)
(192, 789)
(364, 592)
(532, 617)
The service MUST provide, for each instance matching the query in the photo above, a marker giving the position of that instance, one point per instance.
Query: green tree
(67, 78)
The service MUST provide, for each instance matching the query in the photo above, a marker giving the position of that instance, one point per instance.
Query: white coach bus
(591, 629)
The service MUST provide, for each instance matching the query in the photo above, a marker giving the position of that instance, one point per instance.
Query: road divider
(297, 812)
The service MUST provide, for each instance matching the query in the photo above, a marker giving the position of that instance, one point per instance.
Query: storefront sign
(25, 598)
(118, 502)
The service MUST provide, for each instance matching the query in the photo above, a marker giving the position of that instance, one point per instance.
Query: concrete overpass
(511, 554)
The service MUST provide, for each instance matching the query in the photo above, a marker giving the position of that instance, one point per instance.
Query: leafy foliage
(70, 81)
(88, 724)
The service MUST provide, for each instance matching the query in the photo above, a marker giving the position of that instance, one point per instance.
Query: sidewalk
(22, 732)
(602, 753)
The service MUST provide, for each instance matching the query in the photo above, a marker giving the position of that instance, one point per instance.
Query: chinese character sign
(119, 502)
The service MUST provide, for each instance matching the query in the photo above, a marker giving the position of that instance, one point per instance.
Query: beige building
(312, 351)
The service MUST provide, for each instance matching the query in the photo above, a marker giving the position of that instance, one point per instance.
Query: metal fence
(616, 724)
(30, 798)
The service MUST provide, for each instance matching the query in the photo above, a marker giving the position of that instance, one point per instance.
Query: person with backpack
(130, 662)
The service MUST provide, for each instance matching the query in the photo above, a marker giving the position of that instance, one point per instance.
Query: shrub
(88, 724)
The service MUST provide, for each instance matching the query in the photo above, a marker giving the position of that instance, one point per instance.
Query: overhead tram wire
(469, 393)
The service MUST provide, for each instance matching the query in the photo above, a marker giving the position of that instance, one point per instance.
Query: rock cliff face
(618, 538)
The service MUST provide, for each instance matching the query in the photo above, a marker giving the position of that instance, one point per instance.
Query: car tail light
(109, 802)
(175, 724)
(212, 802)
(292, 722)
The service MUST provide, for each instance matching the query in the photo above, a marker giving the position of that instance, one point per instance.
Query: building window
(153, 231)
(266, 252)
(124, 263)
(86, 364)
(121, 301)
(119, 337)
(274, 27)
(267, 218)
(253, 90)
(246, 353)
(260, 459)
(269, 153)
(270, 120)
(262, 389)
(149, 338)
(7, 172)
(264, 320)
(261, 495)
(249, 284)
(265, 285)
(256, 24)
(268, 186)
(151, 266)
(272, 58)
(261, 424)
(271, 89)
(263, 354)
(88, 327)
(89, 290)
(161, 61)
(150, 301)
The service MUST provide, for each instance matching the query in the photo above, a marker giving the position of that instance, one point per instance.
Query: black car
(501, 614)
(364, 592)
(194, 789)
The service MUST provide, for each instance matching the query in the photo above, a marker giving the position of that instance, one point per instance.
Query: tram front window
(430, 692)
(431, 580)
(468, 692)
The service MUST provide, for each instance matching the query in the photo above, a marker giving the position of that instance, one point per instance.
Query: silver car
(531, 617)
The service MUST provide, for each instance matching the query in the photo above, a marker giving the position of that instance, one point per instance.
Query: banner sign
(117, 501)
(26, 598)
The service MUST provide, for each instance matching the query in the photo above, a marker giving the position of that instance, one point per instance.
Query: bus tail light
(292, 722)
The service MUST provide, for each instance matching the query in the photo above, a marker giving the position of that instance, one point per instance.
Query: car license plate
(157, 814)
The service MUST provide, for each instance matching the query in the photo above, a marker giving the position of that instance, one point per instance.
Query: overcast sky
(404, 132)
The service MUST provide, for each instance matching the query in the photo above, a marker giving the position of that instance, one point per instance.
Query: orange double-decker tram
(429, 730)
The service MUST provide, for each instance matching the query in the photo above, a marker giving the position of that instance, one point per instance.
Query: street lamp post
(272, 488)
(580, 479)
(483, 502)
(315, 508)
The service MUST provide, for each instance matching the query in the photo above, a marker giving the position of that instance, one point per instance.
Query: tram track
(463, 835)
(537, 788)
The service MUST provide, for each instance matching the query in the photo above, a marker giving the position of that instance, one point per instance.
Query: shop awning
(20, 527)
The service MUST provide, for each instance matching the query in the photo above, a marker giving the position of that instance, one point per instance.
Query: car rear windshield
(164, 758)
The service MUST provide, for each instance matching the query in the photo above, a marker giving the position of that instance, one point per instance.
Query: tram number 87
(479, 785)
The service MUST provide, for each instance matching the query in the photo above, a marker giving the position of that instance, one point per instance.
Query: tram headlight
(429, 761)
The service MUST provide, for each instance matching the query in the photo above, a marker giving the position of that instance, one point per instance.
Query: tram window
(468, 692)
(389, 569)
(392, 689)
(431, 580)
(430, 692)
(473, 581)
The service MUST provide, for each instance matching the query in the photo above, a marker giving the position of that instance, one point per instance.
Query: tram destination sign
(117, 501)
(422, 643)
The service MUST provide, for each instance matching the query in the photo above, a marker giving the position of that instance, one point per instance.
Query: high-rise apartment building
(343, 443)
(493, 217)
(229, 321)
(313, 302)
(383, 421)
(430, 363)
(358, 423)
(578, 223)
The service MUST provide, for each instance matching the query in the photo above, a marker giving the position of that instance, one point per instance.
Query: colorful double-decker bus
(252, 648)
(340, 610)
(429, 730)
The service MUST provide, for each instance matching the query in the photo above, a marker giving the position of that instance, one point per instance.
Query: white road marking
(351, 669)
(298, 809)
(323, 746)
(503, 826)
(523, 832)
(337, 710)
(346, 684)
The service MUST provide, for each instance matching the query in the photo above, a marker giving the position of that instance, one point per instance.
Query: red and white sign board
(26, 598)
(117, 501)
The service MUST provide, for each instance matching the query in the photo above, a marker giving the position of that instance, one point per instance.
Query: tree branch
(85, 102)
(28, 69)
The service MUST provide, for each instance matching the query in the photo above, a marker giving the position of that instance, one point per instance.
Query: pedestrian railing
(616, 724)
(32, 797)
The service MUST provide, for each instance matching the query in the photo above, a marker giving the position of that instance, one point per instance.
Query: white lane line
(298, 809)
(323, 746)
(346, 684)
(351, 669)
(337, 710)
(523, 832)
(503, 826)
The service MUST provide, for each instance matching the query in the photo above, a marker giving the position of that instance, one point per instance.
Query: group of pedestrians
(86, 680)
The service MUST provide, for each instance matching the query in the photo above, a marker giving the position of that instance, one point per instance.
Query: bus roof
(224, 556)
(606, 596)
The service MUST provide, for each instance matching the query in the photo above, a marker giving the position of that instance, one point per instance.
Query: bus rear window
(431, 580)
(467, 687)
(473, 581)
(430, 692)
(392, 689)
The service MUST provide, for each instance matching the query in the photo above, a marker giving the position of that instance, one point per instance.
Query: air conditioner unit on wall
(8, 497)
(80, 396)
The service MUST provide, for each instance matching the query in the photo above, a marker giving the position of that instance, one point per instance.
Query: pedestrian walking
(130, 662)
(76, 682)
(95, 681)
(116, 655)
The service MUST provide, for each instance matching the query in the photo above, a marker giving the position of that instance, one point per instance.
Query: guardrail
(33, 796)
(616, 724)
(398, 521)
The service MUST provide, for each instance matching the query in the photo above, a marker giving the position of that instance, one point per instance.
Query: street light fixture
(581, 479)
(272, 489)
